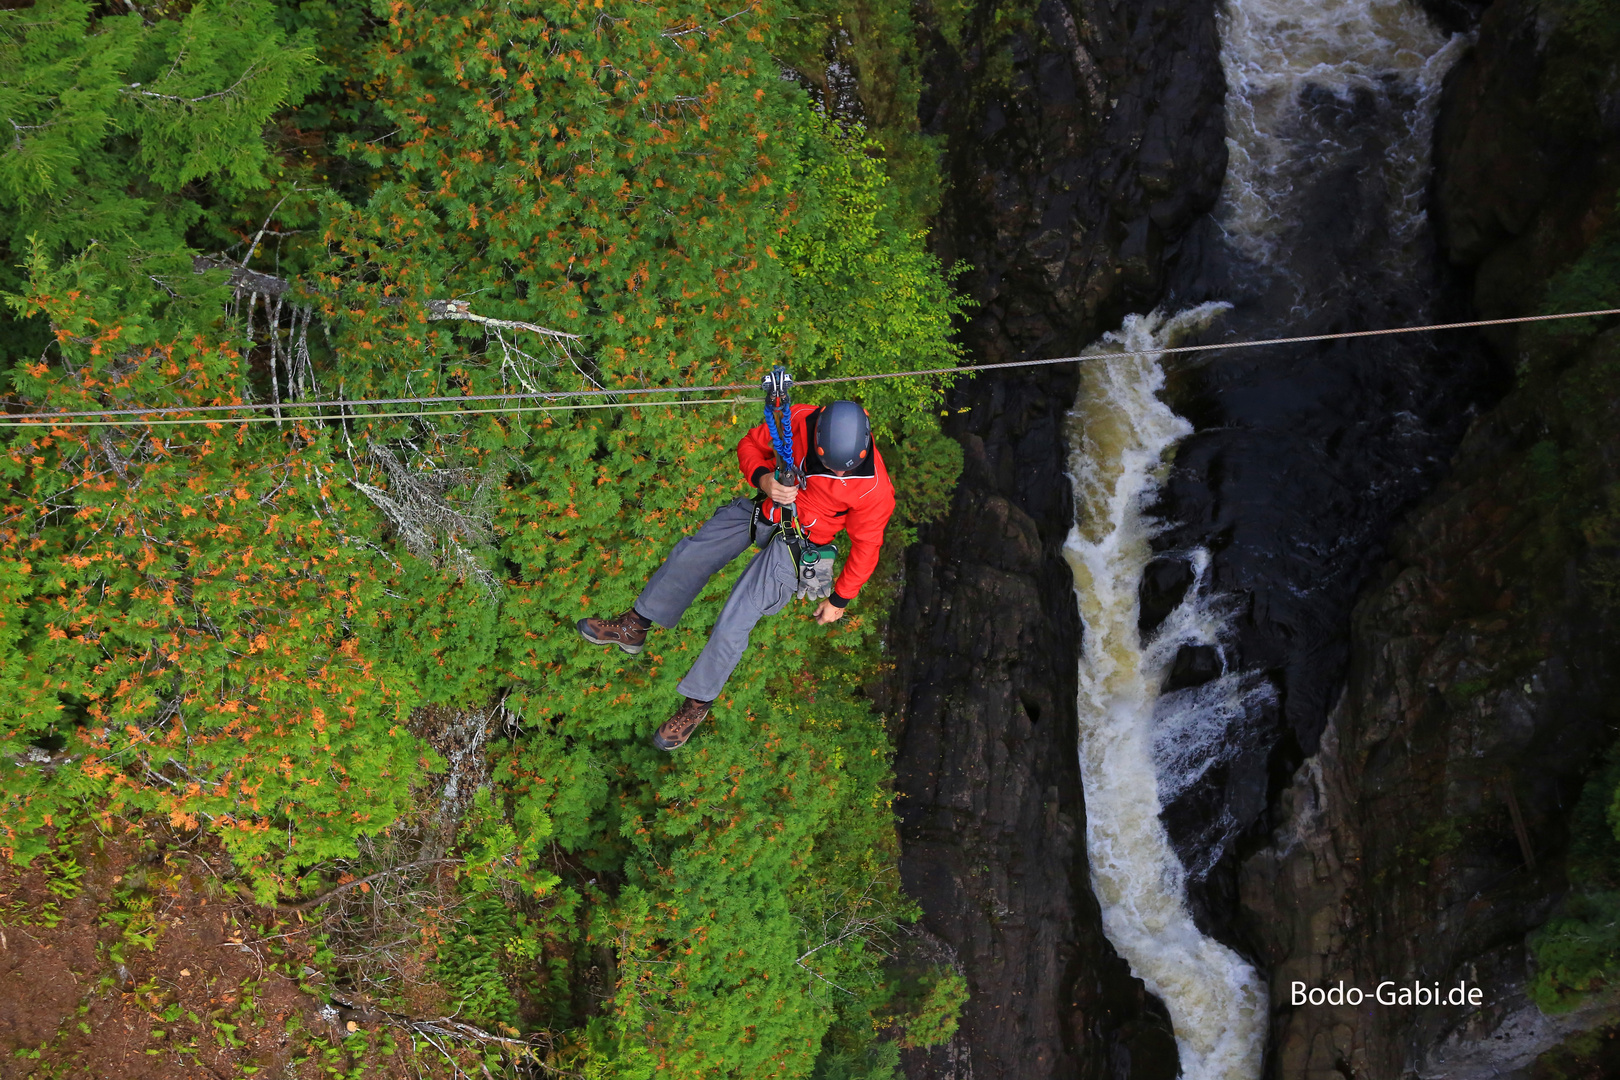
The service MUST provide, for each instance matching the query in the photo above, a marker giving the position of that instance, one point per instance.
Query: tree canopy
(246, 623)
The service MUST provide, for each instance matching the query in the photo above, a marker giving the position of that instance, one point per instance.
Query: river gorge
(1276, 666)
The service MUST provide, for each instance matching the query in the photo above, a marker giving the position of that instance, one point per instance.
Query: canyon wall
(1401, 810)
(1431, 831)
(1081, 140)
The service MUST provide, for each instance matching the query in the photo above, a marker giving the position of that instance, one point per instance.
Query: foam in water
(1200, 727)
(1313, 86)
(1381, 57)
(1120, 433)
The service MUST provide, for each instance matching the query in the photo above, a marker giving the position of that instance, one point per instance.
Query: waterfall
(1287, 62)
(1119, 434)
(1314, 86)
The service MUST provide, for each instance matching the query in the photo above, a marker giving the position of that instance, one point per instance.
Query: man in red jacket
(845, 488)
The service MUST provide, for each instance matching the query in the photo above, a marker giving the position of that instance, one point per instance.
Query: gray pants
(764, 588)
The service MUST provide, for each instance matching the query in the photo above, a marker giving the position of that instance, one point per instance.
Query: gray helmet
(843, 436)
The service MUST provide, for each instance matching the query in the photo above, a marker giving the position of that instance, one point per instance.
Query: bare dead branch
(435, 527)
(458, 309)
(447, 1027)
(267, 218)
(317, 901)
(135, 88)
(696, 28)
(242, 279)
(251, 281)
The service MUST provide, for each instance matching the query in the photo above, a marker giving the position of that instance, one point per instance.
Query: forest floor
(137, 955)
(137, 963)
(134, 949)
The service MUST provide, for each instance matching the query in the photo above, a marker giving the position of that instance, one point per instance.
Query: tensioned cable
(71, 418)
(506, 411)
(1177, 349)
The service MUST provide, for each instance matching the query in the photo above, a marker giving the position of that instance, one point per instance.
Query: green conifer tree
(226, 624)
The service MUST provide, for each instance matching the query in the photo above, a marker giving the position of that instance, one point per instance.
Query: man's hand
(828, 612)
(780, 494)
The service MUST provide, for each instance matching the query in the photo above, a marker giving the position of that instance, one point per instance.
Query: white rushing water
(1381, 57)
(1119, 434)
(1373, 68)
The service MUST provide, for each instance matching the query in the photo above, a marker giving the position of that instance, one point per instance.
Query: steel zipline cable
(43, 418)
(155, 415)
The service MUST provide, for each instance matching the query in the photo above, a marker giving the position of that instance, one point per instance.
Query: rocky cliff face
(1425, 831)
(1081, 140)
(1427, 836)
(1429, 833)
(1305, 456)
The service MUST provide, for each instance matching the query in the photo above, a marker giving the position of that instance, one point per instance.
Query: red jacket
(860, 503)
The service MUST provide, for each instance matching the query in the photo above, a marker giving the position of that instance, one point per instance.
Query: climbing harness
(814, 562)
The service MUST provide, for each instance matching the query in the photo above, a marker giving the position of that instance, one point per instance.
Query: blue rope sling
(808, 556)
(778, 387)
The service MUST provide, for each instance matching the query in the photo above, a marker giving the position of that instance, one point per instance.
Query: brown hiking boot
(674, 732)
(628, 631)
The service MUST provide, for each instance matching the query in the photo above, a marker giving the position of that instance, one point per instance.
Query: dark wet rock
(1165, 582)
(1429, 832)
(1524, 179)
(1328, 111)
(990, 805)
(1080, 144)
(1232, 787)
(1144, 1049)
(1079, 147)
(1455, 16)
(1194, 665)
(1306, 456)
(1482, 687)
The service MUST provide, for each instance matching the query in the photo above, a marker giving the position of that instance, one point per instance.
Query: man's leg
(693, 561)
(764, 588)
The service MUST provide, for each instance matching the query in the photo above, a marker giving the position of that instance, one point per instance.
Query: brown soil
(137, 955)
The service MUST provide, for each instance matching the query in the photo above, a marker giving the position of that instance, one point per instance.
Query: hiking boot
(628, 631)
(674, 732)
